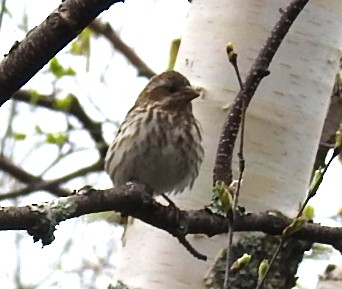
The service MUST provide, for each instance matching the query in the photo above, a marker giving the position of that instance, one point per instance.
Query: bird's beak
(191, 92)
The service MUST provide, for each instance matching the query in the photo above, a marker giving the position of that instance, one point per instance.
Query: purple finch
(159, 142)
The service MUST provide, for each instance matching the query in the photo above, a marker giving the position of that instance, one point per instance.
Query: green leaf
(338, 140)
(64, 103)
(315, 182)
(19, 136)
(70, 71)
(309, 212)
(58, 70)
(263, 267)
(34, 97)
(241, 262)
(222, 199)
(295, 226)
(339, 212)
(81, 46)
(38, 129)
(319, 251)
(58, 138)
(175, 44)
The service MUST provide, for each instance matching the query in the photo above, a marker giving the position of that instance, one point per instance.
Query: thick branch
(135, 200)
(107, 31)
(28, 56)
(224, 156)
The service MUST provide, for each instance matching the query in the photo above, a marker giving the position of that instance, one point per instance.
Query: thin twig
(35, 183)
(233, 60)
(191, 249)
(276, 252)
(235, 202)
(107, 31)
(25, 177)
(310, 194)
(314, 189)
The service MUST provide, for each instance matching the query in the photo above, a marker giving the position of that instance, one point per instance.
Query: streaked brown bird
(159, 142)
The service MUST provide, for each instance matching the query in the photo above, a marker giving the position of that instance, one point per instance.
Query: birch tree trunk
(283, 123)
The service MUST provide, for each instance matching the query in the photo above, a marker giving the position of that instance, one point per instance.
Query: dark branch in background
(75, 109)
(28, 56)
(25, 177)
(107, 31)
(35, 183)
(223, 165)
(334, 115)
(332, 122)
(135, 200)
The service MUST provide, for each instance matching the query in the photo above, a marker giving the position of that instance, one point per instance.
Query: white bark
(282, 128)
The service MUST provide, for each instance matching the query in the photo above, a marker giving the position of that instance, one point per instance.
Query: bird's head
(170, 90)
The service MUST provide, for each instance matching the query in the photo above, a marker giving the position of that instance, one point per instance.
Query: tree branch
(107, 31)
(224, 155)
(331, 123)
(28, 56)
(25, 177)
(37, 183)
(137, 201)
(74, 108)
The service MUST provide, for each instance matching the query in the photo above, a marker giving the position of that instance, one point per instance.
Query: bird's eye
(173, 88)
